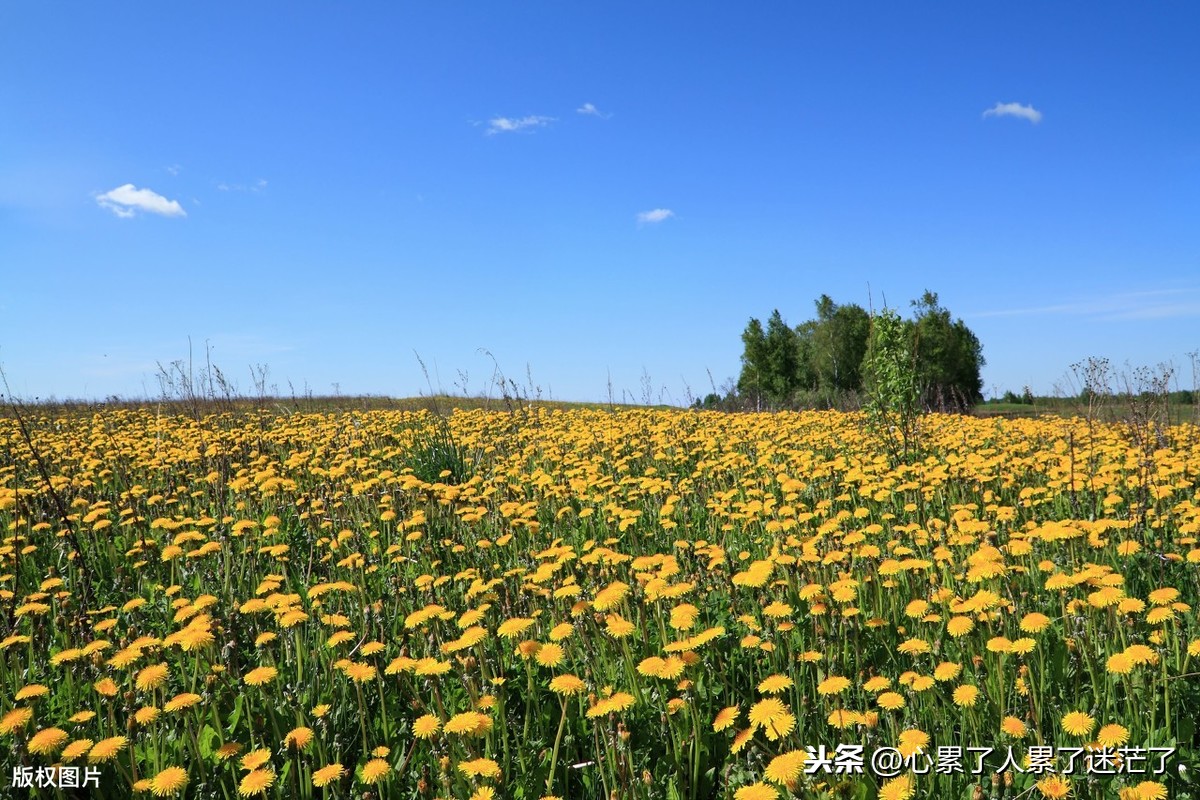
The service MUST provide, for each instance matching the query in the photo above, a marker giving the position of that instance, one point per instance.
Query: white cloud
(125, 201)
(1145, 304)
(1014, 110)
(590, 110)
(258, 186)
(510, 125)
(654, 216)
(174, 169)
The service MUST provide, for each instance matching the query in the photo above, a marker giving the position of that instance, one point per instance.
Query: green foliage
(949, 358)
(436, 457)
(893, 392)
(821, 362)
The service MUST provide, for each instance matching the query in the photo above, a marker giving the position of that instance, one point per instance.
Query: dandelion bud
(977, 793)
(647, 778)
(1008, 779)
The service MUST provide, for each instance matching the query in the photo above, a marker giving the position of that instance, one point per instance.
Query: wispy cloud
(654, 216)
(127, 200)
(1014, 110)
(258, 186)
(514, 124)
(1148, 304)
(587, 109)
(173, 170)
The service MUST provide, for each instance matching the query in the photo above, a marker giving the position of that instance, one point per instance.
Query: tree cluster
(823, 362)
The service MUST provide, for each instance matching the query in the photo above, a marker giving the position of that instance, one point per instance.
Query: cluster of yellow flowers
(592, 603)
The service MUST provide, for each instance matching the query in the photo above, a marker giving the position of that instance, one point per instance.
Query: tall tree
(839, 343)
(754, 363)
(949, 358)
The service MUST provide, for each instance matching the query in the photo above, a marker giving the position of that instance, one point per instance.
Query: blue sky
(588, 192)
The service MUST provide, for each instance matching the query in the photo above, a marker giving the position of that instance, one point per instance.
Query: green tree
(839, 343)
(949, 358)
(893, 393)
(770, 362)
(754, 363)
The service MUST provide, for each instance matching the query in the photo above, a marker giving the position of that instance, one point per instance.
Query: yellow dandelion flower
(228, 751)
(514, 627)
(725, 718)
(256, 782)
(255, 759)
(960, 626)
(327, 775)
(1119, 664)
(15, 720)
(480, 768)
(426, 726)
(48, 741)
(76, 749)
(1023, 646)
(31, 691)
(966, 695)
(469, 723)
(300, 738)
(1034, 622)
(764, 711)
(756, 791)
(359, 673)
(549, 655)
(1142, 654)
(1013, 727)
(946, 671)
(106, 749)
(900, 788)
(182, 701)
(567, 684)
(168, 782)
(1151, 790)
(774, 684)
(375, 770)
(260, 676)
(912, 741)
(146, 715)
(890, 700)
(913, 646)
(842, 718)
(1054, 787)
(152, 677)
(835, 684)
(1078, 723)
(1112, 735)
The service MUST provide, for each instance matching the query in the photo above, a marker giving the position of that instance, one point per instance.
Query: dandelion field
(590, 603)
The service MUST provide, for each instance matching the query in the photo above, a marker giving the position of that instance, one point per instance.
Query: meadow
(591, 603)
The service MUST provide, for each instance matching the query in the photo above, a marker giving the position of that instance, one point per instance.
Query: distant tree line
(823, 362)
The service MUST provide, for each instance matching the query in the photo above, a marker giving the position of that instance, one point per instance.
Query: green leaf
(236, 716)
(207, 736)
